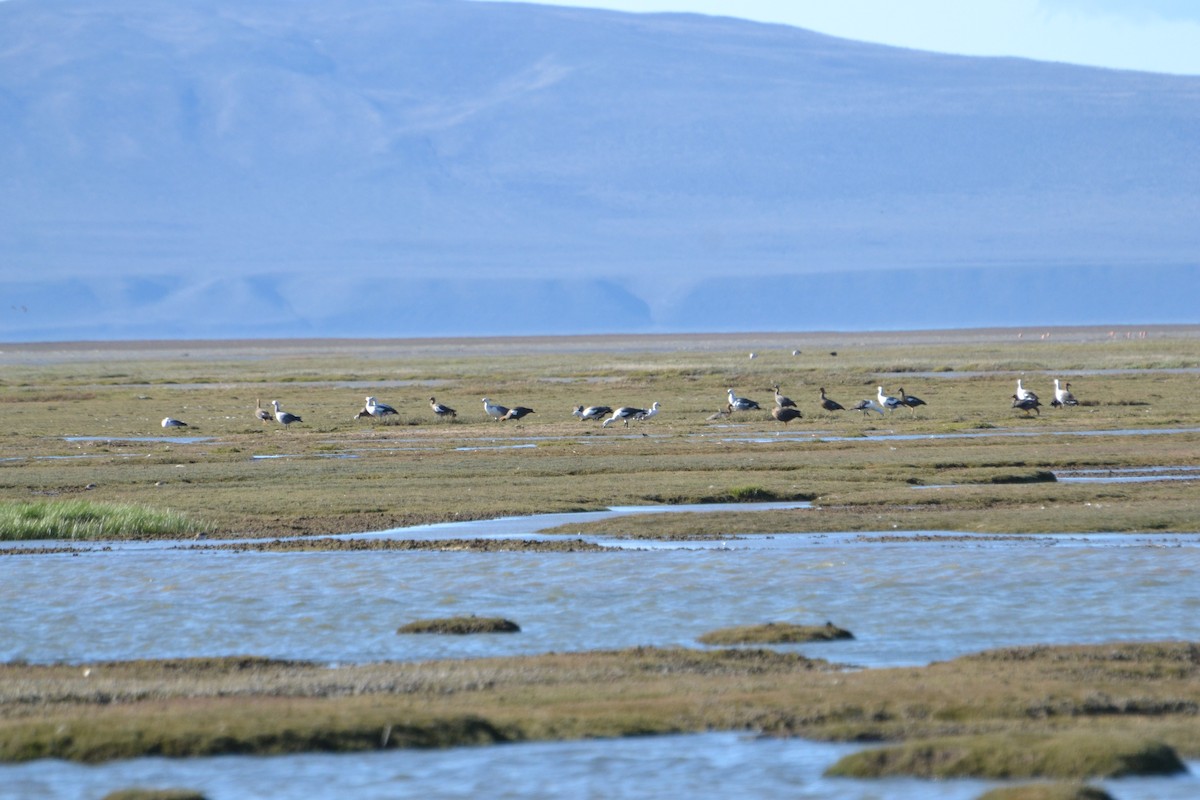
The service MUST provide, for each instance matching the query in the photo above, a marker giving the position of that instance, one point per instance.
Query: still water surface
(907, 602)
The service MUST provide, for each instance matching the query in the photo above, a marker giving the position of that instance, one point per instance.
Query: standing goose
(377, 409)
(591, 412)
(1063, 396)
(624, 413)
(1028, 404)
(492, 410)
(886, 400)
(283, 417)
(442, 410)
(781, 401)
(911, 401)
(261, 413)
(785, 414)
(830, 405)
(742, 403)
(1023, 393)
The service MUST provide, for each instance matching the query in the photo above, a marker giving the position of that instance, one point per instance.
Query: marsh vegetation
(81, 444)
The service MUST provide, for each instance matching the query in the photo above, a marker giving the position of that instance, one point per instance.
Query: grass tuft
(81, 519)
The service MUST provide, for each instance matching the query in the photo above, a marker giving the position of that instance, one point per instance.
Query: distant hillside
(230, 168)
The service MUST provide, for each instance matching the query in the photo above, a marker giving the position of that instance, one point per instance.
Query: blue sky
(1150, 35)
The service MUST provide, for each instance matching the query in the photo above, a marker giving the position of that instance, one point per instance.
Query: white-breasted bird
(742, 403)
(624, 413)
(1063, 396)
(591, 412)
(886, 400)
(649, 412)
(867, 406)
(283, 417)
(493, 410)
(171, 422)
(442, 410)
(377, 409)
(1023, 393)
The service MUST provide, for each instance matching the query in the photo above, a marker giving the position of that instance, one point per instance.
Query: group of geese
(1028, 401)
(784, 410)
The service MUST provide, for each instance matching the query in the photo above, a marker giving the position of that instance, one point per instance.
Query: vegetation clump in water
(1076, 754)
(775, 633)
(461, 625)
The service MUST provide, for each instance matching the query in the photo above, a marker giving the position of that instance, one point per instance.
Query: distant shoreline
(155, 349)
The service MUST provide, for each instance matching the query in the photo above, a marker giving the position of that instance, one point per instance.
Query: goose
(648, 413)
(283, 417)
(742, 403)
(886, 400)
(442, 410)
(1027, 404)
(516, 412)
(366, 412)
(624, 413)
(492, 410)
(171, 422)
(786, 414)
(782, 401)
(1023, 393)
(910, 400)
(867, 406)
(261, 413)
(1063, 396)
(591, 412)
(830, 405)
(377, 409)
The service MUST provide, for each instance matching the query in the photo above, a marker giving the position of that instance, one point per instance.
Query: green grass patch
(1072, 755)
(81, 519)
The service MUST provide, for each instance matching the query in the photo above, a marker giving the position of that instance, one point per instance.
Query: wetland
(247, 600)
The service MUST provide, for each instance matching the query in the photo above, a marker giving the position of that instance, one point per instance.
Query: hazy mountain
(216, 168)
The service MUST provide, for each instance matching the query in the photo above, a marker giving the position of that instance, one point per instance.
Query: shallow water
(907, 602)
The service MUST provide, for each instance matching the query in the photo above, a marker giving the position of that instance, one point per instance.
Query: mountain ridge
(314, 168)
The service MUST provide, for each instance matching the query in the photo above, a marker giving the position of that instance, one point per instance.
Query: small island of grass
(461, 625)
(775, 633)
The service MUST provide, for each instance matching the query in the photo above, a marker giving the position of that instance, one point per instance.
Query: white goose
(624, 413)
(493, 410)
(886, 400)
(648, 413)
(171, 422)
(283, 417)
(741, 403)
(377, 409)
(1023, 393)
(1063, 396)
